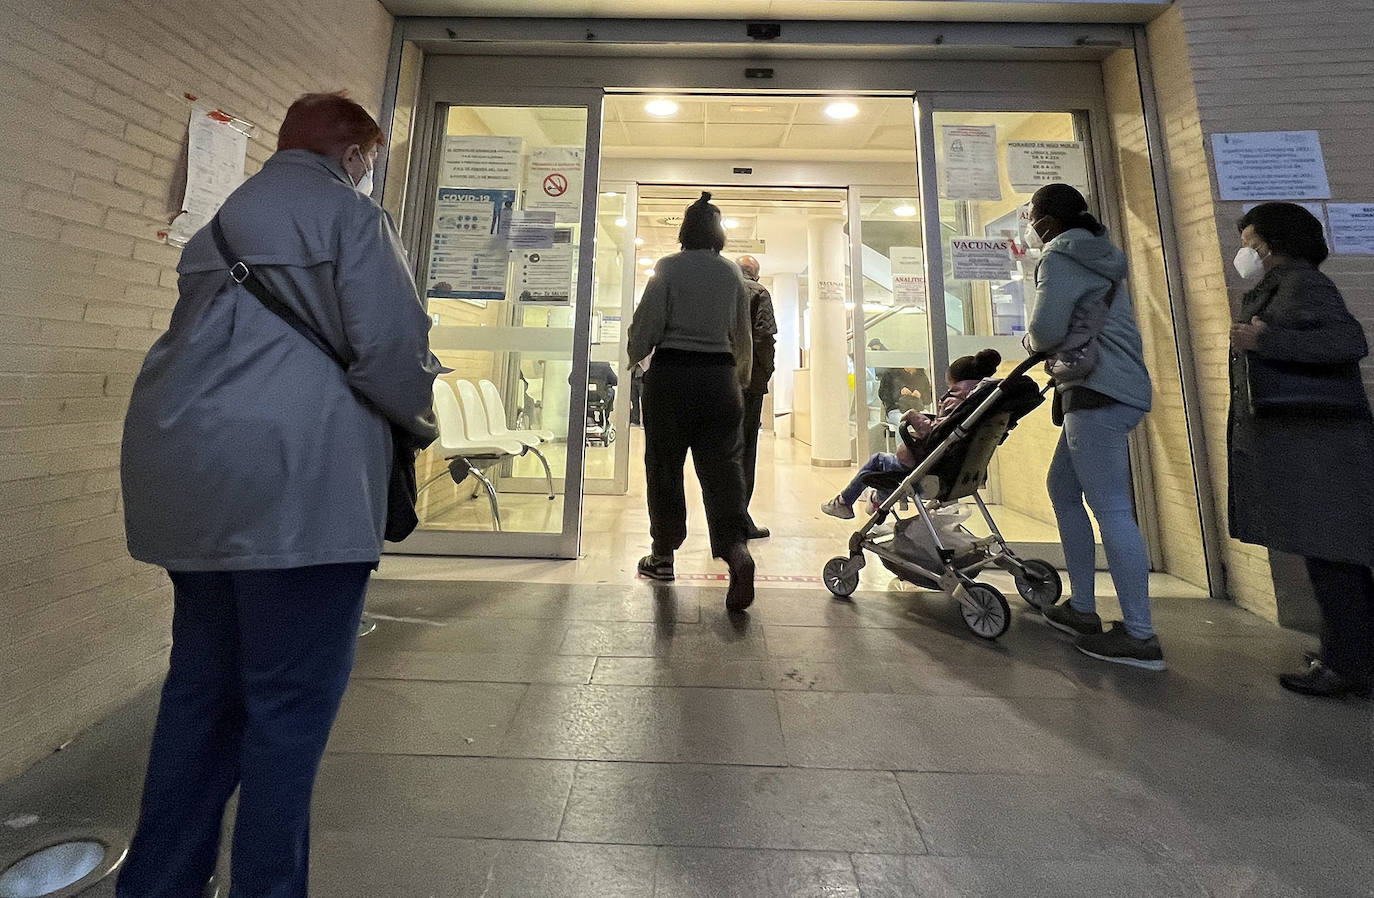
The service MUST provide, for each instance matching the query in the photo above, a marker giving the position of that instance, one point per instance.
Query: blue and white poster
(468, 257)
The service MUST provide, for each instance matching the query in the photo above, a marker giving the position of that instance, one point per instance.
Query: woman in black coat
(1303, 481)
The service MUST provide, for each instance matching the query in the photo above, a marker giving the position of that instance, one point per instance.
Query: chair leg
(491, 496)
(548, 474)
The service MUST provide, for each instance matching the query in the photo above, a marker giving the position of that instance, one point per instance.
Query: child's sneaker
(838, 508)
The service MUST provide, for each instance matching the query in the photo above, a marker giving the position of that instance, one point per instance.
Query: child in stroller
(963, 377)
(932, 549)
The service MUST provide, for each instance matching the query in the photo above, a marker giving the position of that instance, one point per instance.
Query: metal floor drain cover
(51, 869)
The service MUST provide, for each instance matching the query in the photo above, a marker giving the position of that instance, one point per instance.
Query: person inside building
(1080, 271)
(1301, 441)
(963, 377)
(269, 515)
(765, 330)
(694, 317)
(902, 390)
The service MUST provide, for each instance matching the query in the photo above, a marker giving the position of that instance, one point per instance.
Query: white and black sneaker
(1120, 647)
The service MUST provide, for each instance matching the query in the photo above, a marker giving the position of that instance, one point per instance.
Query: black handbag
(1274, 388)
(401, 492)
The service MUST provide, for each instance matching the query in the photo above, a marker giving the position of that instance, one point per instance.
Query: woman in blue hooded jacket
(1079, 267)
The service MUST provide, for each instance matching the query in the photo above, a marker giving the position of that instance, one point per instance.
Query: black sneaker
(1120, 647)
(740, 594)
(1066, 619)
(656, 567)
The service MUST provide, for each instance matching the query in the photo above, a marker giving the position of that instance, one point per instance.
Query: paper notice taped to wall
(1352, 228)
(1270, 165)
(908, 276)
(215, 154)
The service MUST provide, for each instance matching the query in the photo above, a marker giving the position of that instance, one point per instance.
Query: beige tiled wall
(1222, 66)
(93, 129)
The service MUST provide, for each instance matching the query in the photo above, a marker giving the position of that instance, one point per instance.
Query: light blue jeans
(1092, 463)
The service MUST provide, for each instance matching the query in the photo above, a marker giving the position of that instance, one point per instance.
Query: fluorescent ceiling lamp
(904, 211)
(610, 193)
(620, 222)
(660, 107)
(841, 110)
(646, 261)
(730, 222)
(639, 241)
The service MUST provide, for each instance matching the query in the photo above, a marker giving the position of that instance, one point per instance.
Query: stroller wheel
(987, 613)
(1043, 585)
(835, 579)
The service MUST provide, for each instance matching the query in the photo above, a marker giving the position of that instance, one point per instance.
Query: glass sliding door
(988, 162)
(503, 247)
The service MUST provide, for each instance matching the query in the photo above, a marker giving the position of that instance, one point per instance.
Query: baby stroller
(932, 549)
(600, 430)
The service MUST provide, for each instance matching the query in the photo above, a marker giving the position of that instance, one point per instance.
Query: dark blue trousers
(260, 661)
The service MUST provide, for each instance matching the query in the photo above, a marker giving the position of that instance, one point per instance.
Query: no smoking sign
(555, 184)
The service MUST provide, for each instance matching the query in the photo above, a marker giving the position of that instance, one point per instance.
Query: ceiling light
(647, 262)
(841, 110)
(639, 241)
(904, 210)
(660, 107)
(621, 222)
(730, 222)
(610, 193)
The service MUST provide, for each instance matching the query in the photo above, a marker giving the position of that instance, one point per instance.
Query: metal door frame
(436, 96)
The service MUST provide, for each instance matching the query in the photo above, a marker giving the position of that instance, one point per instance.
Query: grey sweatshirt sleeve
(650, 317)
(385, 323)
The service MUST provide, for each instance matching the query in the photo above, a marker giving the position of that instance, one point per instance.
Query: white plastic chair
(497, 427)
(456, 443)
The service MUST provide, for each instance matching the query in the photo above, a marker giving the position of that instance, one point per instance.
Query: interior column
(826, 248)
(786, 312)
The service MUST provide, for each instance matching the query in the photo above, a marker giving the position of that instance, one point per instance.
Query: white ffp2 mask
(364, 185)
(1249, 264)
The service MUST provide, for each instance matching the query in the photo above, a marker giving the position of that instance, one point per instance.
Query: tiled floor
(578, 741)
(520, 729)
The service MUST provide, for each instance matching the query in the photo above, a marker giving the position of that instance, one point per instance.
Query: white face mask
(1249, 264)
(1033, 239)
(364, 185)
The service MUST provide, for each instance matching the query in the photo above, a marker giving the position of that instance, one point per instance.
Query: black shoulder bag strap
(242, 274)
(401, 518)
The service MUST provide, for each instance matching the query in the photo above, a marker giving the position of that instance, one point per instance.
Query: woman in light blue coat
(1081, 267)
(255, 470)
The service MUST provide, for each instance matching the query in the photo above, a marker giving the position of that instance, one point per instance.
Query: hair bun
(705, 197)
(989, 360)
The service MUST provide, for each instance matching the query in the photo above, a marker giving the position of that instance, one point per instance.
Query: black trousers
(260, 661)
(696, 407)
(753, 421)
(1345, 593)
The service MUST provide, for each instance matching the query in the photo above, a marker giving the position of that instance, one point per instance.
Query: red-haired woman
(255, 471)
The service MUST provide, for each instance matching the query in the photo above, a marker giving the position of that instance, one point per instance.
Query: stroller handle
(1035, 358)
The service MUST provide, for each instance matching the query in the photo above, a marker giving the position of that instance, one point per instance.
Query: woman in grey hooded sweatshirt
(1080, 269)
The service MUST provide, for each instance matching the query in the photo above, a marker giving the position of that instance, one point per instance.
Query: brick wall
(93, 128)
(1222, 66)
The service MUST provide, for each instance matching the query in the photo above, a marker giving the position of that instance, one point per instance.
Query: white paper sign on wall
(481, 162)
(1270, 165)
(1031, 164)
(908, 276)
(1352, 228)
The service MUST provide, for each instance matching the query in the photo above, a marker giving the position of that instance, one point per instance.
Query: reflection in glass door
(988, 165)
(504, 265)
